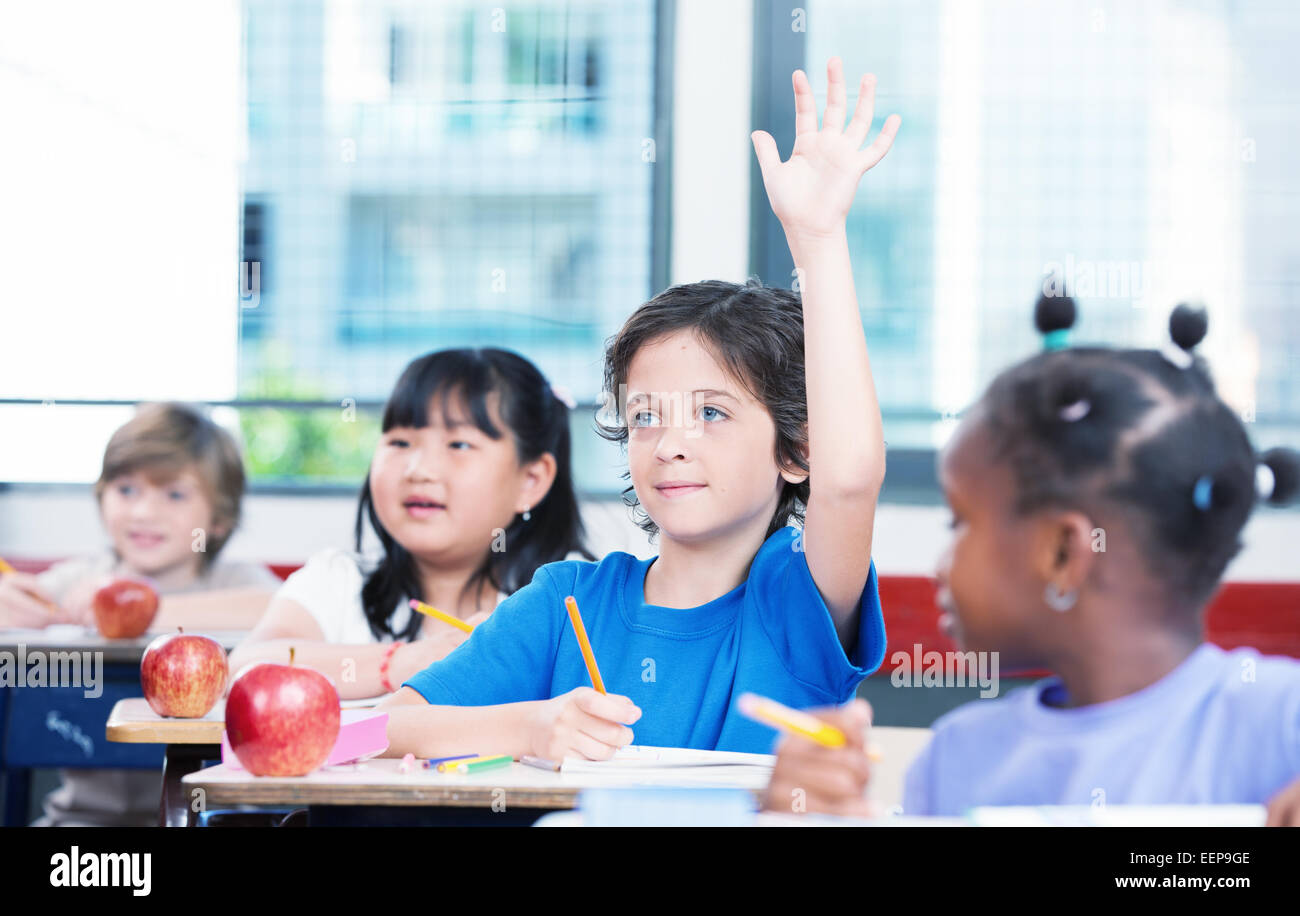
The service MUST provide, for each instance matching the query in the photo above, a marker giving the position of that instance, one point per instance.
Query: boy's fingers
(611, 707)
(766, 151)
(876, 151)
(583, 745)
(805, 105)
(604, 731)
(864, 111)
(836, 104)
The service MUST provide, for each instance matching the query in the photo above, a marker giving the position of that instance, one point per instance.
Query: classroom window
(443, 175)
(1140, 151)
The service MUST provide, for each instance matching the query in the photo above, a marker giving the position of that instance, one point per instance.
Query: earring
(1058, 600)
(527, 514)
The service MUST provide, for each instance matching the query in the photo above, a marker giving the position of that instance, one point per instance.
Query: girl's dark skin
(1124, 632)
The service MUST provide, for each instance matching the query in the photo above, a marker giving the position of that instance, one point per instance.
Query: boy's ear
(791, 472)
(1063, 549)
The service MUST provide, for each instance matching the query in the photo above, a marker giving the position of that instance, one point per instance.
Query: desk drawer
(61, 727)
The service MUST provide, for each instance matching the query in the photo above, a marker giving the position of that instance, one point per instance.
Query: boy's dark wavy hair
(535, 418)
(756, 333)
(1142, 431)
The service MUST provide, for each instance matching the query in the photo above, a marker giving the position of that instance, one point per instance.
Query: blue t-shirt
(1221, 728)
(684, 667)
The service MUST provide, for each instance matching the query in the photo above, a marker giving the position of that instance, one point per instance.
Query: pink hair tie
(563, 396)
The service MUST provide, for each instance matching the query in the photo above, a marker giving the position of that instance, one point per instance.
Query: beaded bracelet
(387, 660)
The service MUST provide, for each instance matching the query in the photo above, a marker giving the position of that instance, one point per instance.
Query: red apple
(183, 674)
(282, 720)
(125, 607)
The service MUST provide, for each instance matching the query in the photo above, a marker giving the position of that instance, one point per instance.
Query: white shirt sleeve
(329, 586)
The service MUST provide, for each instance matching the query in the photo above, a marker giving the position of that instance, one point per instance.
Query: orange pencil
(576, 619)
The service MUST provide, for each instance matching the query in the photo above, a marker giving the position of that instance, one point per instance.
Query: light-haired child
(169, 496)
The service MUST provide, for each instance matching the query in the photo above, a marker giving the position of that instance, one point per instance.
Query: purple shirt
(1221, 728)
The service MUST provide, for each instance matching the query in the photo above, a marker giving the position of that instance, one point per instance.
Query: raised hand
(812, 191)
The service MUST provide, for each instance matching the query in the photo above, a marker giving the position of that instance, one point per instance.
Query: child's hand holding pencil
(582, 723)
(24, 602)
(815, 773)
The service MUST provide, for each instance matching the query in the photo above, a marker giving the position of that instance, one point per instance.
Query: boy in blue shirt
(726, 396)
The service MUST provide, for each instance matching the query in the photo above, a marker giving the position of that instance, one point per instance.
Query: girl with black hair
(1097, 498)
(469, 492)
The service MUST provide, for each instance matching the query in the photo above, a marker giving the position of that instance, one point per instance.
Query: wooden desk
(72, 638)
(511, 795)
(768, 819)
(189, 743)
(59, 725)
(342, 794)
(133, 721)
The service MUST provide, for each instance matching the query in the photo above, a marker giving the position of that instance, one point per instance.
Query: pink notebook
(362, 733)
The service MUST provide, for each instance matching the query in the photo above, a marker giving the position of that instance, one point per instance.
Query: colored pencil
(473, 763)
(792, 721)
(437, 760)
(439, 615)
(540, 762)
(587, 655)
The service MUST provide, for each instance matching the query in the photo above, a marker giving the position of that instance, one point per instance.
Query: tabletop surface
(383, 782)
(133, 721)
(74, 638)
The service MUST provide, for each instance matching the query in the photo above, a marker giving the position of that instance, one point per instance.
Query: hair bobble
(563, 396)
(1265, 481)
(1203, 492)
(1054, 315)
(1277, 476)
(1187, 327)
(1076, 411)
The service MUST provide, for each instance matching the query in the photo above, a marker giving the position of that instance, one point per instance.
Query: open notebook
(637, 765)
(640, 757)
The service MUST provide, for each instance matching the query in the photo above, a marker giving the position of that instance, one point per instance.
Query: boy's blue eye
(651, 419)
(714, 416)
(176, 496)
(125, 489)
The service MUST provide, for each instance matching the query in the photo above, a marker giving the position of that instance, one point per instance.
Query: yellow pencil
(439, 615)
(792, 721)
(587, 655)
